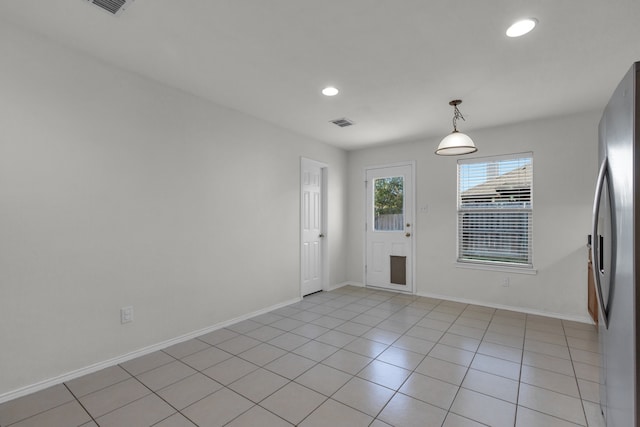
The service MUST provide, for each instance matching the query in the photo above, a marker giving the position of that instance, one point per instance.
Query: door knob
(321, 235)
(408, 234)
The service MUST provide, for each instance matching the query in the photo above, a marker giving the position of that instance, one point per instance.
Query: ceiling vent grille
(114, 7)
(343, 122)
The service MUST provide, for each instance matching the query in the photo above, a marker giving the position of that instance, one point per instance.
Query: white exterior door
(389, 227)
(312, 224)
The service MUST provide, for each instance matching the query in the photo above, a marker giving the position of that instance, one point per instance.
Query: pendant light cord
(456, 115)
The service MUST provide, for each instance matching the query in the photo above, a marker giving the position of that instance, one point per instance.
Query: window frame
(496, 264)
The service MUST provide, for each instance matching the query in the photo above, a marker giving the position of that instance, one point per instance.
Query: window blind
(495, 208)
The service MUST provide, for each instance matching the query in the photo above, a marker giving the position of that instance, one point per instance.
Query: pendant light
(456, 142)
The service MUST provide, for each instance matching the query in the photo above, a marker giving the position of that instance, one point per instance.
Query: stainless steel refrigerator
(616, 254)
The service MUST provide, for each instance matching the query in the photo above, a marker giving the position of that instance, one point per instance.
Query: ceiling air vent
(343, 122)
(114, 7)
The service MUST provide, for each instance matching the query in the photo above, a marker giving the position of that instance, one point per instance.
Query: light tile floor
(350, 357)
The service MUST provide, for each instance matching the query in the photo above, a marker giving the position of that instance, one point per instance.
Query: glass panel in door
(388, 211)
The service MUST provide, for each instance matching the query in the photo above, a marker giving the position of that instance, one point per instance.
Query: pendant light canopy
(456, 143)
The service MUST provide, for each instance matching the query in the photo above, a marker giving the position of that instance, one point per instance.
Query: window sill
(500, 268)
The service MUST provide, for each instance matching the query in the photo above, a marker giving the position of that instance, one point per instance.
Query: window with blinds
(495, 209)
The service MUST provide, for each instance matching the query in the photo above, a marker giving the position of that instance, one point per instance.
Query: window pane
(388, 209)
(496, 184)
(495, 209)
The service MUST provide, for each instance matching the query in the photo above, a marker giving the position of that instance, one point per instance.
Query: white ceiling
(397, 62)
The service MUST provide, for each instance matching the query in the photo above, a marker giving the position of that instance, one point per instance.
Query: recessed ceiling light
(330, 91)
(521, 27)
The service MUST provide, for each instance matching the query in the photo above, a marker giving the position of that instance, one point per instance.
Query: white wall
(117, 191)
(565, 168)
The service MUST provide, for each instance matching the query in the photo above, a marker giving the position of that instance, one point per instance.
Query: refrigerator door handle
(596, 243)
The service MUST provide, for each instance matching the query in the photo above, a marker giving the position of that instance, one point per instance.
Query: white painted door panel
(389, 227)
(312, 223)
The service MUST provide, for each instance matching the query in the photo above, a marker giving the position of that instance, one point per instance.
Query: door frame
(413, 193)
(324, 170)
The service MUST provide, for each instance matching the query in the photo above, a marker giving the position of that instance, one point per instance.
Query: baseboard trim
(23, 391)
(343, 284)
(580, 319)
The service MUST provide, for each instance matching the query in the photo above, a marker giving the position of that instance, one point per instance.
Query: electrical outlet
(126, 314)
(505, 282)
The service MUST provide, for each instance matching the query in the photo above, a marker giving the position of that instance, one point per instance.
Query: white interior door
(390, 228)
(312, 224)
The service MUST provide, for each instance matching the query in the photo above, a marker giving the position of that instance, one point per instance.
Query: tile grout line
(468, 367)
(168, 385)
(524, 339)
(327, 398)
(389, 345)
(396, 392)
(80, 403)
(41, 412)
(163, 399)
(521, 366)
(584, 412)
(552, 390)
(470, 363)
(371, 361)
(223, 385)
(268, 370)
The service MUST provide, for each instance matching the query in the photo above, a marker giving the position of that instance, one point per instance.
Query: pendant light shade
(456, 143)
